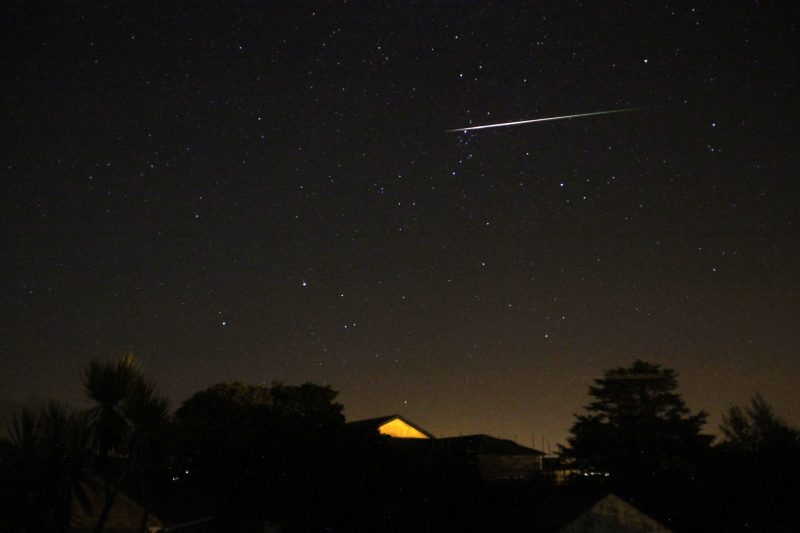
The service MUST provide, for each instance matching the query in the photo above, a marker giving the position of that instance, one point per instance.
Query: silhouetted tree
(759, 472)
(640, 432)
(43, 469)
(756, 428)
(308, 401)
(127, 417)
(225, 410)
(253, 449)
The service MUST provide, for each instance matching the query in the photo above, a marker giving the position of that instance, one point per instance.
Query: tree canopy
(43, 468)
(636, 425)
(258, 447)
(756, 428)
(224, 409)
(760, 478)
(128, 418)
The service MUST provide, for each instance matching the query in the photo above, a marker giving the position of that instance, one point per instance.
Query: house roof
(125, 515)
(581, 510)
(484, 444)
(374, 424)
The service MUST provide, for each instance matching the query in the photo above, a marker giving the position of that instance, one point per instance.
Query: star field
(268, 192)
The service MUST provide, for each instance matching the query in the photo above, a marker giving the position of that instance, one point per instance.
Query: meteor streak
(547, 119)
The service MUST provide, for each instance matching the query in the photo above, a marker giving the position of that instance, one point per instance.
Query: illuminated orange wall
(398, 428)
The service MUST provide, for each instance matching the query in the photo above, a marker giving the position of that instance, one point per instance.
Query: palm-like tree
(107, 386)
(127, 416)
(50, 452)
(147, 413)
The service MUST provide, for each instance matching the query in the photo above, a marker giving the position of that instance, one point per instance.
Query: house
(479, 456)
(393, 426)
(492, 459)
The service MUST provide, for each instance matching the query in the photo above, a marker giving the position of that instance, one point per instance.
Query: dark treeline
(282, 455)
(640, 431)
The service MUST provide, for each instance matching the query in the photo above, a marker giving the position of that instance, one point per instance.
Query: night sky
(269, 192)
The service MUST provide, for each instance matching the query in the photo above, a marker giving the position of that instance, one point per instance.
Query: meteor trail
(547, 119)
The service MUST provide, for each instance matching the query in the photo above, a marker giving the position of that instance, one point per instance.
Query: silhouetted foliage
(759, 468)
(640, 431)
(128, 419)
(636, 425)
(43, 469)
(253, 449)
(247, 454)
(756, 428)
